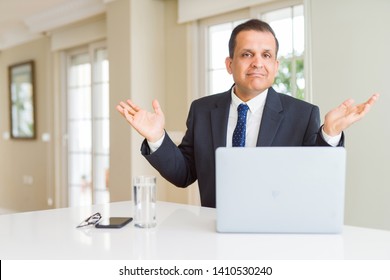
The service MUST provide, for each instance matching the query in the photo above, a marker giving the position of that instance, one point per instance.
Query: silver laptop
(280, 189)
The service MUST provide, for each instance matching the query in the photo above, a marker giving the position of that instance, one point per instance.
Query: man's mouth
(256, 74)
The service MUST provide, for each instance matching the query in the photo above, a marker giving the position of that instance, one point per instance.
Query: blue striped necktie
(240, 130)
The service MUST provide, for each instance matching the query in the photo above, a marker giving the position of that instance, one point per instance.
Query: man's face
(254, 64)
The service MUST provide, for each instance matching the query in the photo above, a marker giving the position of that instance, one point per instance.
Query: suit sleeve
(321, 141)
(313, 135)
(169, 161)
(175, 164)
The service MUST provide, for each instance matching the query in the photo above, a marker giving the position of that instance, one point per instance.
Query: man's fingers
(119, 108)
(347, 103)
(133, 108)
(128, 107)
(128, 116)
(363, 108)
(373, 99)
(156, 107)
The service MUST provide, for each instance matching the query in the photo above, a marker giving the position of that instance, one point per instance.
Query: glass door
(87, 126)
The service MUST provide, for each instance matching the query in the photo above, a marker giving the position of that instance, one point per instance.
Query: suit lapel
(271, 119)
(219, 120)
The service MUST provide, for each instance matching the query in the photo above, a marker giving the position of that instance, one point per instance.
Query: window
(87, 102)
(288, 24)
(219, 80)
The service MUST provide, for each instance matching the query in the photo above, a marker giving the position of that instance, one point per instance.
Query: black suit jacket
(286, 121)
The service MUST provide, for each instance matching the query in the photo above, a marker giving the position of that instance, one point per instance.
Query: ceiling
(25, 20)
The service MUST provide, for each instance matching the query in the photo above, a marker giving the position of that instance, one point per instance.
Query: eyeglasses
(92, 220)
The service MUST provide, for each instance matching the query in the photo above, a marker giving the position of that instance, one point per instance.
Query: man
(272, 119)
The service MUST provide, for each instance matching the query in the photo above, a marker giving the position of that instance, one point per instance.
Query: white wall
(136, 47)
(118, 41)
(147, 67)
(27, 158)
(350, 58)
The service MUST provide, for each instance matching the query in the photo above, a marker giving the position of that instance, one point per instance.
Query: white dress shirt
(253, 118)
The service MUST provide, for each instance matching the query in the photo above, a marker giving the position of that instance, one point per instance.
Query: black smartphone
(114, 222)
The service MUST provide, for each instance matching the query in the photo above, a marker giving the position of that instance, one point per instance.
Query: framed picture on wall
(21, 96)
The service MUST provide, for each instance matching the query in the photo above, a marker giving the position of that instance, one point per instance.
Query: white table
(183, 232)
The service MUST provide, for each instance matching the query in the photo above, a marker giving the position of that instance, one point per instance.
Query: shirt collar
(254, 104)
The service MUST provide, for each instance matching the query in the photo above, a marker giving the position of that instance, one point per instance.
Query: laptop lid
(280, 189)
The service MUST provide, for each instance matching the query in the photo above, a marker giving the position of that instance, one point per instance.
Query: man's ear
(276, 66)
(228, 63)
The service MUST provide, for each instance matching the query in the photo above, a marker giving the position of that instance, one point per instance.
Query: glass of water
(144, 197)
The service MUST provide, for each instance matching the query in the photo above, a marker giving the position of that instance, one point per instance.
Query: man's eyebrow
(272, 52)
(251, 50)
(265, 50)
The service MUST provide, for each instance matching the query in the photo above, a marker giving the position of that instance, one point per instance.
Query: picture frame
(22, 100)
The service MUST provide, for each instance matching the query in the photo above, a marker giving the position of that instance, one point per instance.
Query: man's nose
(257, 62)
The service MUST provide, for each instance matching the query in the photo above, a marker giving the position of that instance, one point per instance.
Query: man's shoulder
(212, 99)
(291, 100)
